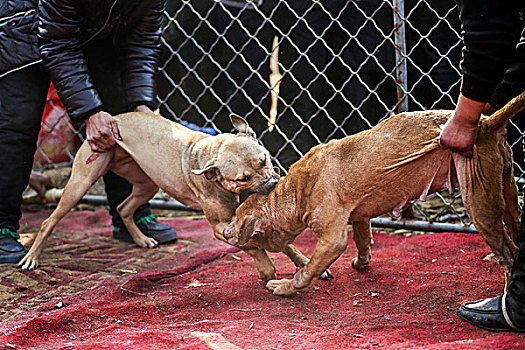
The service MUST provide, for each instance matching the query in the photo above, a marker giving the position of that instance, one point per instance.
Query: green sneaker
(11, 251)
(150, 227)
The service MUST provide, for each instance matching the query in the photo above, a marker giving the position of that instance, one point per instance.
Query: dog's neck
(202, 151)
(284, 208)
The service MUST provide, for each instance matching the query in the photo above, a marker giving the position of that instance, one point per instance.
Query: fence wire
(302, 73)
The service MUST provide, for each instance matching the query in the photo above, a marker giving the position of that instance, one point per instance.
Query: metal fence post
(400, 50)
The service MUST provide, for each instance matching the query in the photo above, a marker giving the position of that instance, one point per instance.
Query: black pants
(517, 288)
(22, 99)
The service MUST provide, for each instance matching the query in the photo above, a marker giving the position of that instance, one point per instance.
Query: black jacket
(65, 26)
(18, 41)
(491, 31)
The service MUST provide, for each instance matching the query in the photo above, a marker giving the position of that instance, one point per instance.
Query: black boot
(150, 227)
(498, 314)
(11, 251)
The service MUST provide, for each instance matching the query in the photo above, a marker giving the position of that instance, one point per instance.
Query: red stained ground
(406, 299)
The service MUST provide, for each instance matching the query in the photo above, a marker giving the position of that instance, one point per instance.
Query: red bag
(57, 139)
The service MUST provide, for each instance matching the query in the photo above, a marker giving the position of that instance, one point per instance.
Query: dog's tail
(500, 118)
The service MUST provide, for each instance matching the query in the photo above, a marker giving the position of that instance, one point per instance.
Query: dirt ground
(92, 292)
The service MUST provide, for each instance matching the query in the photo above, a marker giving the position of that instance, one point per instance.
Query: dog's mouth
(265, 189)
(269, 185)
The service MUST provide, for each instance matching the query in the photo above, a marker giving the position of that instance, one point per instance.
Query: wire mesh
(338, 67)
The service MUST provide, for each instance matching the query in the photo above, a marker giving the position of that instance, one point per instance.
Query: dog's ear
(241, 125)
(247, 229)
(210, 171)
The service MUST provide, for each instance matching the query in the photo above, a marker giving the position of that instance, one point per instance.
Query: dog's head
(251, 225)
(242, 164)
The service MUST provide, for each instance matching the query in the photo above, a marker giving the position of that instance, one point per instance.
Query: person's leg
(104, 69)
(22, 100)
(516, 292)
(504, 312)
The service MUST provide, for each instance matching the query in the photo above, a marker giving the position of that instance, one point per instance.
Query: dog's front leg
(332, 242)
(299, 259)
(263, 263)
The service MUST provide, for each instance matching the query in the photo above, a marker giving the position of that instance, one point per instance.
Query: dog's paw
(147, 242)
(491, 257)
(281, 287)
(28, 263)
(327, 275)
(359, 264)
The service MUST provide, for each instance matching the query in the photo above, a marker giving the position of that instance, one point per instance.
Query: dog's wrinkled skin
(204, 172)
(377, 171)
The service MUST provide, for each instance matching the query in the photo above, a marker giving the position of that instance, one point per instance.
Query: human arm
(140, 52)
(489, 46)
(59, 41)
(60, 47)
(40, 182)
(489, 36)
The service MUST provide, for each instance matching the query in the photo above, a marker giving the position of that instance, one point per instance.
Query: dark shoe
(493, 314)
(11, 251)
(150, 227)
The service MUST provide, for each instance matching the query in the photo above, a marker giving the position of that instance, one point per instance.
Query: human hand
(143, 109)
(488, 109)
(40, 182)
(460, 132)
(101, 131)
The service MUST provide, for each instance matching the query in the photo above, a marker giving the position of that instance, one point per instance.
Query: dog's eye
(245, 178)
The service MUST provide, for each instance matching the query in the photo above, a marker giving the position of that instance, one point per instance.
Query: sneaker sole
(12, 258)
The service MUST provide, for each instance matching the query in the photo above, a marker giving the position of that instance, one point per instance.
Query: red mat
(81, 262)
(406, 299)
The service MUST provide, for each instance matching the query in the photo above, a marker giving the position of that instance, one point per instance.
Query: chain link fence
(302, 73)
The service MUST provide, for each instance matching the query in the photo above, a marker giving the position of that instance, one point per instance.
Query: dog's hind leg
(143, 190)
(363, 240)
(482, 193)
(83, 175)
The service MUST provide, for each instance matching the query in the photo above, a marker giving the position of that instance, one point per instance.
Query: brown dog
(376, 171)
(201, 171)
